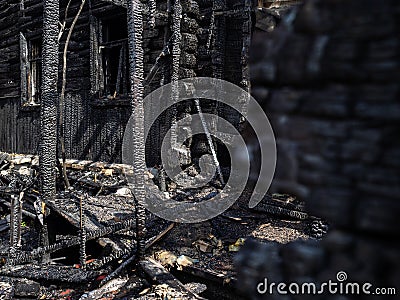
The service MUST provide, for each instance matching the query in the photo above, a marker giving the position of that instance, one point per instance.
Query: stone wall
(328, 79)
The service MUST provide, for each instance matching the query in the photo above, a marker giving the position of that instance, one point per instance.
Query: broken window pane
(35, 71)
(31, 70)
(111, 68)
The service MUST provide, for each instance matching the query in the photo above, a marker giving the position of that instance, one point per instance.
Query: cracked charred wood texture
(51, 273)
(218, 49)
(136, 54)
(63, 86)
(82, 235)
(82, 247)
(176, 56)
(211, 32)
(48, 115)
(13, 229)
(23, 257)
(152, 9)
(282, 208)
(19, 218)
(176, 43)
(118, 270)
(246, 39)
(165, 70)
(215, 46)
(48, 108)
(121, 254)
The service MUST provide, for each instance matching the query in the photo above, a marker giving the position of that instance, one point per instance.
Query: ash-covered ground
(194, 260)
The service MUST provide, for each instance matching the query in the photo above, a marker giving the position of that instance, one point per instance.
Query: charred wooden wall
(9, 74)
(333, 104)
(91, 131)
(329, 82)
(93, 128)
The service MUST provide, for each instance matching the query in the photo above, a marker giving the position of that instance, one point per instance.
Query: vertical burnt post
(82, 233)
(48, 107)
(176, 56)
(218, 49)
(13, 228)
(244, 59)
(136, 53)
(19, 218)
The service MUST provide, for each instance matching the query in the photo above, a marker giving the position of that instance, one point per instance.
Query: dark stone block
(329, 148)
(369, 135)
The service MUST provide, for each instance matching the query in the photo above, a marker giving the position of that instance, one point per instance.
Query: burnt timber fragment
(135, 37)
(48, 111)
(52, 273)
(157, 273)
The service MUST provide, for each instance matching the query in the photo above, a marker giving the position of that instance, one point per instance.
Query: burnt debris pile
(92, 234)
(75, 218)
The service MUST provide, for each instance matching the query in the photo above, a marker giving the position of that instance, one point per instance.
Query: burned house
(180, 39)
(327, 77)
(96, 106)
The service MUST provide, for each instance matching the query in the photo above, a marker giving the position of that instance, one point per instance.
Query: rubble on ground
(92, 236)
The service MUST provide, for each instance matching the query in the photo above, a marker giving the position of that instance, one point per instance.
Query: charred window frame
(31, 70)
(109, 57)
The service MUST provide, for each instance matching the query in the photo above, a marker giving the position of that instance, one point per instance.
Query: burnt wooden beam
(136, 55)
(23, 257)
(158, 274)
(209, 274)
(51, 273)
(48, 108)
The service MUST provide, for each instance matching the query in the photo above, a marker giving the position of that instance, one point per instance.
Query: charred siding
(93, 128)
